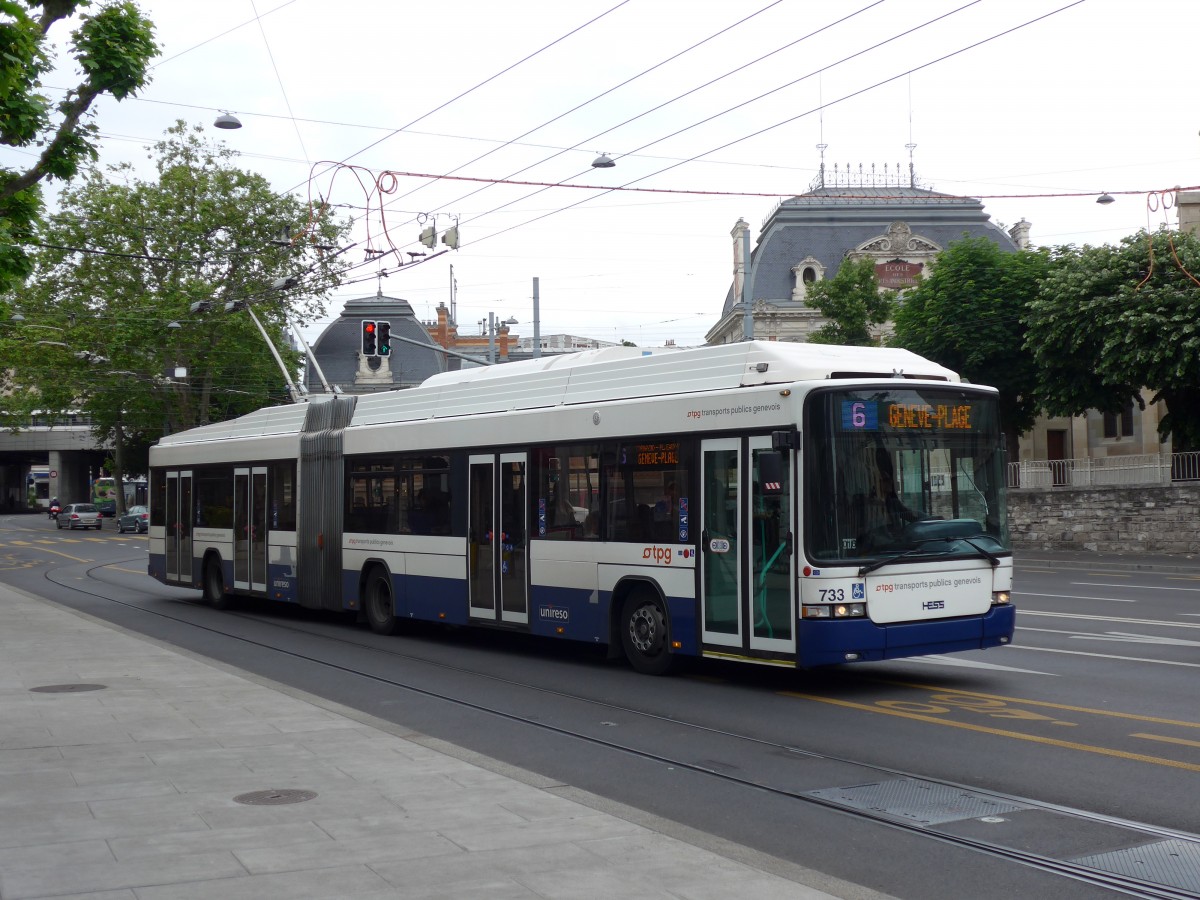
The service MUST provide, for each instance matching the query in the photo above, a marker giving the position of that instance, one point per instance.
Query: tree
(853, 302)
(967, 314)
(113, 47)
(1112, 320)
(125, 313)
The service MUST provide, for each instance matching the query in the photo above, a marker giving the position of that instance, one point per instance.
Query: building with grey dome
(887, 217)
(338, 349)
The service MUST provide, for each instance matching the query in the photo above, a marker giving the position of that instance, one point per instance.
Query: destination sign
(869, 415)
(658, 454)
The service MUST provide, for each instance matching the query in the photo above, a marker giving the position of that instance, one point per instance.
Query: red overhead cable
(854, 196)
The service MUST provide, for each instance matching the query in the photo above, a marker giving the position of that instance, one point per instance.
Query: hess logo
(660, 555)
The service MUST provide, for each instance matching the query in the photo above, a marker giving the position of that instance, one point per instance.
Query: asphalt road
(1092, 709)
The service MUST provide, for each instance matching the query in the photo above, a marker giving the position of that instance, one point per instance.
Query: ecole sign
(897, 274)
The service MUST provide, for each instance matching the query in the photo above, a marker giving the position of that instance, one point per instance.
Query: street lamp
(491, 333)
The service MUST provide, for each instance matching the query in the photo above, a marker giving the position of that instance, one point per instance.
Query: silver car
(79, 515)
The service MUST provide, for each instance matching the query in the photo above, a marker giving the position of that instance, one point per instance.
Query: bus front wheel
(644, 634)
(379, 604)
(214, 585)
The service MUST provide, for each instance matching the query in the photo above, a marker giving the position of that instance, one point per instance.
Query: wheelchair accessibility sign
(858, 592)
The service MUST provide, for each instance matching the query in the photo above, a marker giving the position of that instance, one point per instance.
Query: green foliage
(125, 258)
(967, 314)
(113, 47)
(1110, 320)
(853, 301)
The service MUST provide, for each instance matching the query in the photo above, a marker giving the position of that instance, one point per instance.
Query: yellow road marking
(1053, 742)
(1167, 740)
(130, 571)
(67, 555)
(1080, 709)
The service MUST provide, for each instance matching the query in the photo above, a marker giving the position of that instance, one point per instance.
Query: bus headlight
(1001, 598)
(837, 611)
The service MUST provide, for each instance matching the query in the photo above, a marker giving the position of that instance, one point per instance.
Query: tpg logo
(660, 555)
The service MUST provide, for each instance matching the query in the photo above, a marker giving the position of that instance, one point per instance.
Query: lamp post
(491, 333)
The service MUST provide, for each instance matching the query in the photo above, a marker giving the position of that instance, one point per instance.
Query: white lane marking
(1021, 593)
(1118, 636)
(939, 660)
(1161, 662)
(1137, 639)
(1140, 587)
(1056, 615)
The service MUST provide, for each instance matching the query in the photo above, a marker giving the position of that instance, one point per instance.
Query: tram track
(1089, 875)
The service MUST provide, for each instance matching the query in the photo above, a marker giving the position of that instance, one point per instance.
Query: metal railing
(1147, 468)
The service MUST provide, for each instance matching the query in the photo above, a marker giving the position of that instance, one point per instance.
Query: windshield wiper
(991, 557)
(880, 563)
(888, 560)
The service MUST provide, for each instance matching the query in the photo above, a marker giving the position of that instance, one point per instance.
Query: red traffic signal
(369, 344)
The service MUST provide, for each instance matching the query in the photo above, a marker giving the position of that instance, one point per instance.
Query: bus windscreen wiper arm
(888, 560)
(991, 557)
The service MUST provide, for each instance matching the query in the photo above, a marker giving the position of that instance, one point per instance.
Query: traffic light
(369, 344)
(383, 335)
(429, 237)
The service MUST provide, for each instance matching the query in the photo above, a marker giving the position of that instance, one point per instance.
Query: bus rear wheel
(644, 634)
(214, 585)
(379, 603)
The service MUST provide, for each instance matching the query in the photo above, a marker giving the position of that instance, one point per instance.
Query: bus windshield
(903, 470)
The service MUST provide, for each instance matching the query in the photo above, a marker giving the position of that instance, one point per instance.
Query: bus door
(250, 528)
(498, 542)
(721, 550)
(747, 577)
(178, 518)
(772, 589)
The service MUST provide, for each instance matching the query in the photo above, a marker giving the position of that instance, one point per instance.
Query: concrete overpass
(67, 447)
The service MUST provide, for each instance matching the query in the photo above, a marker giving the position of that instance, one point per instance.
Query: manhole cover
(68, 688)
(923, 802)
(274, 798)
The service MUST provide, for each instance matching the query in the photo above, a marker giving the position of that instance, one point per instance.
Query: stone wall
(1148, 519)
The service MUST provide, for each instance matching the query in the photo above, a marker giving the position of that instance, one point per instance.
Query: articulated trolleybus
(783, 504)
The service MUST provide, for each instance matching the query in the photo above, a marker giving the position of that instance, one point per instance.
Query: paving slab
(127, 792)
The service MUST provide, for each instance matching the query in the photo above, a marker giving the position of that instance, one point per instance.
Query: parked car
(136, 519)
(79, 515)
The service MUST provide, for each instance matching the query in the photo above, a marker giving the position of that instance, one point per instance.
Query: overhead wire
(604, 93)
(710, 118)
(383, 185)
(666, 103)
(278, 77)
(476, 87)
(787, 121)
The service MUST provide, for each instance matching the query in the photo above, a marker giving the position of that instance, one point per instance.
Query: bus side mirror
(770, 473)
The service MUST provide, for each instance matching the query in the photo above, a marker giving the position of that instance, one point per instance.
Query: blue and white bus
(782, 504)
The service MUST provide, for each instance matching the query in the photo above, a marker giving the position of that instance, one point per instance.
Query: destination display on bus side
(872, 415)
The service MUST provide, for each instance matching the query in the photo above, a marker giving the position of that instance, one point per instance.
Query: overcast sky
(1099, 96)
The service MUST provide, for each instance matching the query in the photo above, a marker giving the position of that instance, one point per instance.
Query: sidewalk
(1082, 559)
(123, 787)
